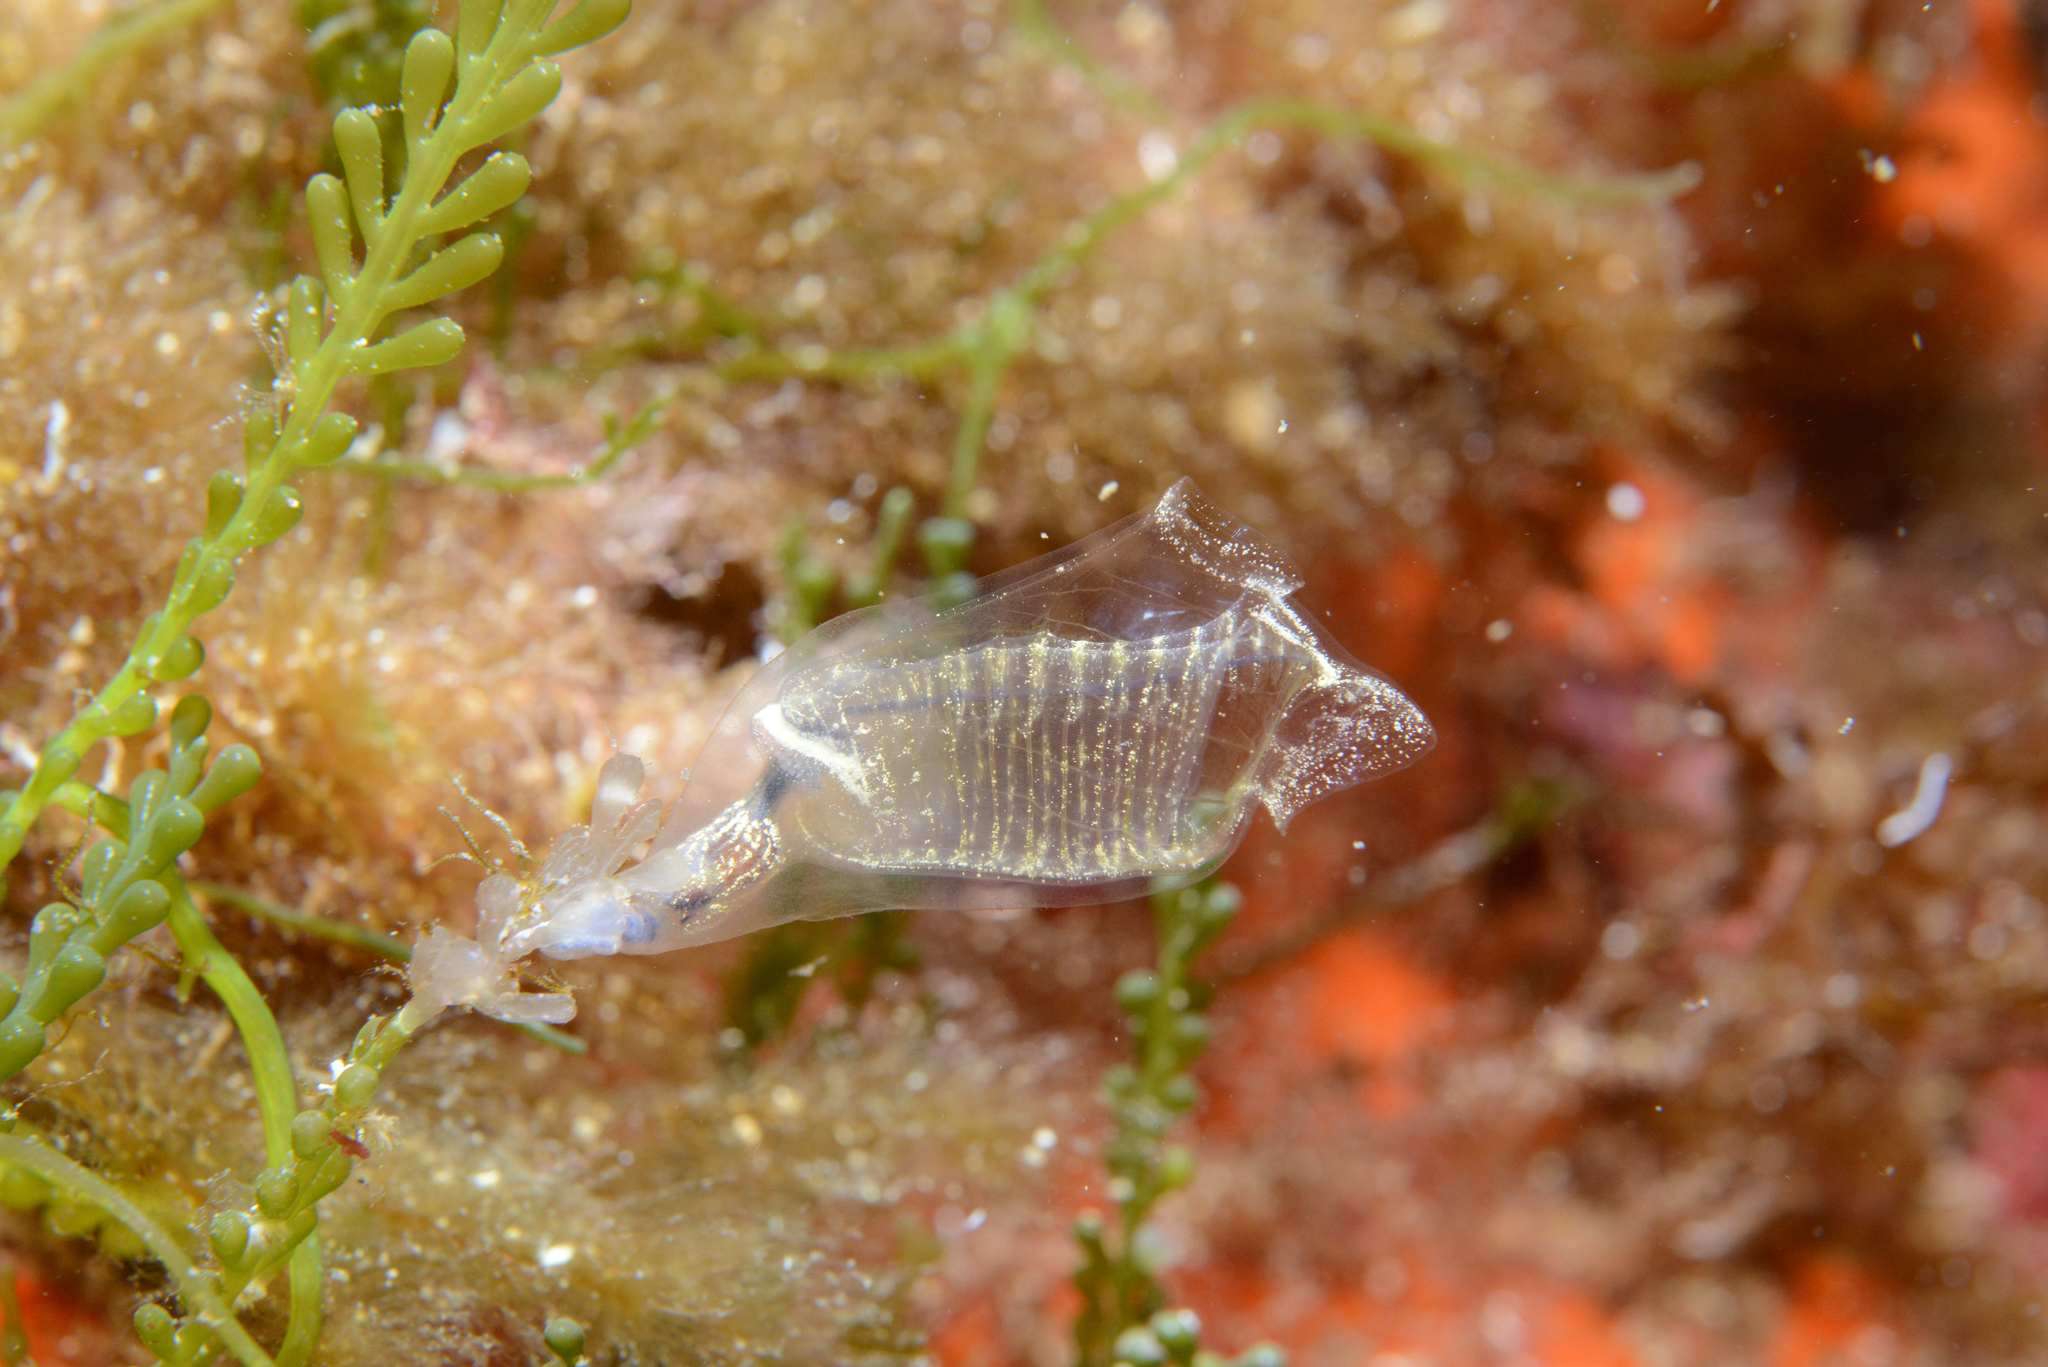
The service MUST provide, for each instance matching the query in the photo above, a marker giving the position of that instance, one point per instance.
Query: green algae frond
(381, 255)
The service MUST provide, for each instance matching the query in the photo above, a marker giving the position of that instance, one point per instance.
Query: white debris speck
(1499, 629)
(1157, 156)
(1620, 940)
(1918, 814)
(1416, 22)
(54, 431)
(556, 1255)
(1625, 502)
(485, 1180)
(447, 439)
(1107, 492)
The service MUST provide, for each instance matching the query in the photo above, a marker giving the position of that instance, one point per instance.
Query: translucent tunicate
(1092, 722)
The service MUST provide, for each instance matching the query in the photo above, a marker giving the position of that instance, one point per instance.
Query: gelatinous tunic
(1099, 719)
(1040, 758)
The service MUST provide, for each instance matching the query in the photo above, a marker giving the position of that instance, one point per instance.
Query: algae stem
(319, 927)
(270, 1064)
(277, 1094)
(13, 1336)
(1035, 24)
(618, 444)
(919, 360)
(1234, 125)
(88, 1187)
(1687, 68)
(24, 116)
(989, 363)
(1456, 158)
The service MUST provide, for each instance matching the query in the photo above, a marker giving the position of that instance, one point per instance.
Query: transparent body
(1096, 720)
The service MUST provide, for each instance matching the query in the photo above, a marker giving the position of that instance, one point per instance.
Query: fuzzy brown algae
(1094, 721)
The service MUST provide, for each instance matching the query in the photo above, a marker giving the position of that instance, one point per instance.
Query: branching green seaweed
(26, 1153)
(335, 322)
(124, 880)
(1124, 1317)
(376, 261)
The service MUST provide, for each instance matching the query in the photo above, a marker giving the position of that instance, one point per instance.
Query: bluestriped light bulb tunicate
(1097, 720)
